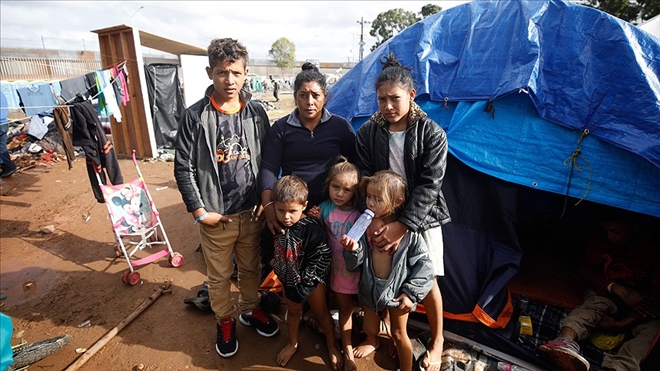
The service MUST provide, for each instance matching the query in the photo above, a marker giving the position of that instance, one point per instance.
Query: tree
(388, 23)
(283, 53)
(429, 9)
(629, 10)
(393, 21)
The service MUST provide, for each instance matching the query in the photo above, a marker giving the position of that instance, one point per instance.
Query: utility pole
(361, 43)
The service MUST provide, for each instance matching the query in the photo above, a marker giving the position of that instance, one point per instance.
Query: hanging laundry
(119, 84)
(64, 127)
(37, 99)
(100, 96)
(99, 151)
(112, 106)
(56, 88)
(9, 90)
(74, 86)
(90, 84)
(37, 128)
(124, 79)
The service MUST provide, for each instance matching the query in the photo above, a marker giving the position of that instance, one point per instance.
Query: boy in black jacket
(301, 262)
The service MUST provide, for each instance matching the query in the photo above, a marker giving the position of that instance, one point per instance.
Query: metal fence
(45, 68)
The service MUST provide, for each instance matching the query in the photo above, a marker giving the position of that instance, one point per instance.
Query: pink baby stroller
(136, 224)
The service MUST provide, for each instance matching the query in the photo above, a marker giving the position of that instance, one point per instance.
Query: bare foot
(366, 348)
(336, 358)
(285, 354)
(349, 364)
(432, 360)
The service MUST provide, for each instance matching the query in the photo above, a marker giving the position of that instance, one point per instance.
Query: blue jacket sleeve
(271, 159)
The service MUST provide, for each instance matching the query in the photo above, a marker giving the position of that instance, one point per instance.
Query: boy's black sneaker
(265, 325)
(226, 345)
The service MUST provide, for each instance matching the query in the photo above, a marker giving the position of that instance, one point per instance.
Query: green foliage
(389, 23)
(283, 53)
(629, 10)
(393, 21)
(429, 9)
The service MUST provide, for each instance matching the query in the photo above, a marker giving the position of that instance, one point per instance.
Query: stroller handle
(136, 166)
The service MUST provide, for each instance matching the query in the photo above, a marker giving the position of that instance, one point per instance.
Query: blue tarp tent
(550, 95)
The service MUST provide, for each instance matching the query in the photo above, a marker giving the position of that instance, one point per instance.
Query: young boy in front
(216, 166)
(301, 262)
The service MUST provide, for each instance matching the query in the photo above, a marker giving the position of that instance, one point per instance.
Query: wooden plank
(116, 45)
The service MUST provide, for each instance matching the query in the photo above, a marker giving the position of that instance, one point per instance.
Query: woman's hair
(310, 74)
(390, 187)
(393, 71)
(290, 188)
(226, 50)
(309, 66)
(341, 167)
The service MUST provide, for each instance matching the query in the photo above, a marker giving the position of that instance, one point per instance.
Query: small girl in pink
(338, 213)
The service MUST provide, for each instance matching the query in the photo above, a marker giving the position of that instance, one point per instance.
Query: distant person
(276, 90)
(216, 166)
(305, 143)
(388, 282)
(7, 165)
(301, 261)
(622, 268)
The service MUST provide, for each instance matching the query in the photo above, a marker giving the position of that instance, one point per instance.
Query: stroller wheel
(134, 278)
(176, 259)
(124, 277)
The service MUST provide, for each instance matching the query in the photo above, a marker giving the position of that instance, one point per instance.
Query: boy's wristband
(268, 204)
(202, 217)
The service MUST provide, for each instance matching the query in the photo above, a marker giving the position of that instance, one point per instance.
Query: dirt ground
(55, 282)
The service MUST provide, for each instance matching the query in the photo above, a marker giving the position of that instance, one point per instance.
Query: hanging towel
(100, 96)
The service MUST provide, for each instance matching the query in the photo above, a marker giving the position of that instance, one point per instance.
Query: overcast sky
(324, 30)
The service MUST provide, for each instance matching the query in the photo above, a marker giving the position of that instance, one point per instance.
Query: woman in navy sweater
(303, 143)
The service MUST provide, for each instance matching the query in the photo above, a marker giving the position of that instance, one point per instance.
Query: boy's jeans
(5, 160)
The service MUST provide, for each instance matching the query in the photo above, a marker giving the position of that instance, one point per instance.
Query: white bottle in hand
(360, 225)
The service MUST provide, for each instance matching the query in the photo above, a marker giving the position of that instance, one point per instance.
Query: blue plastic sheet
(554, 71)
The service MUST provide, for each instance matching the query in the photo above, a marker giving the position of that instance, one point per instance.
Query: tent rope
(572, 162)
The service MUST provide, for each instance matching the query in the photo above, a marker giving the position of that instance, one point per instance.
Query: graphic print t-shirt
(337, 223)
(233, 157)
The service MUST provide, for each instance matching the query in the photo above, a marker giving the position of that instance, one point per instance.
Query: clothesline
(118, 65)
(66, 104)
